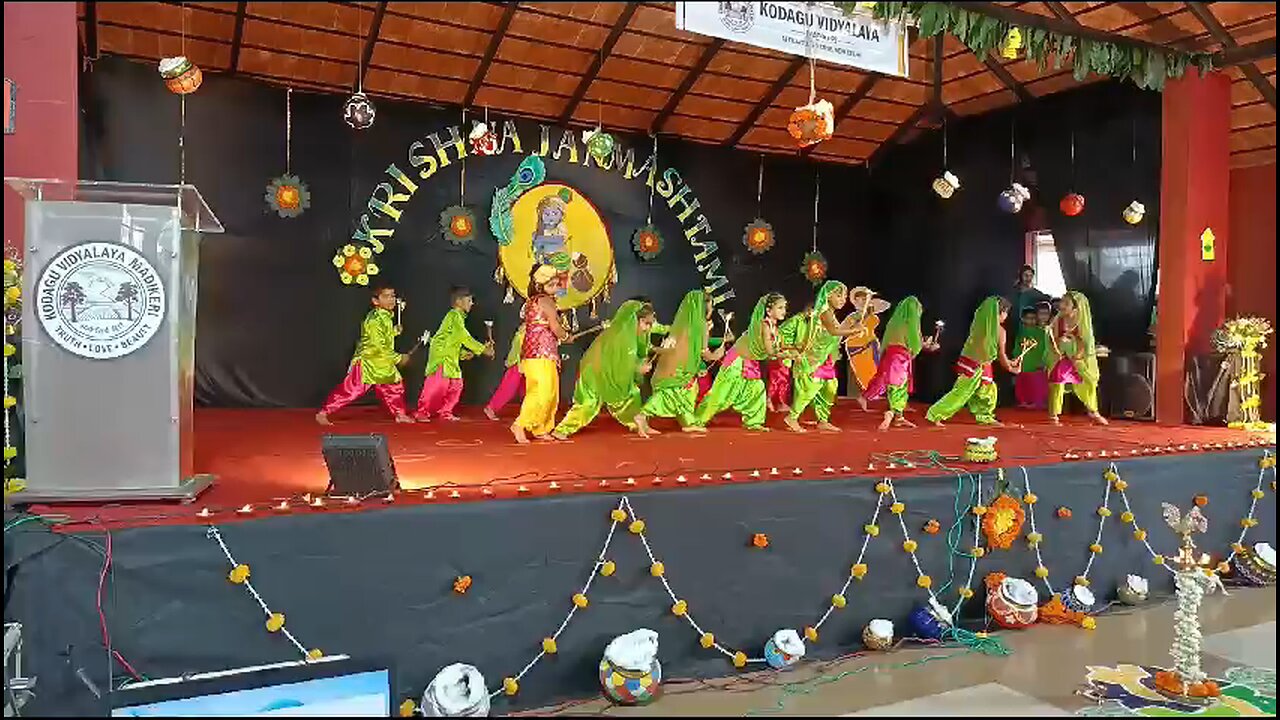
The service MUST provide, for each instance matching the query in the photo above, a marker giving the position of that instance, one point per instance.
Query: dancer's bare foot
(784, 408)
(862, 403)
(1053, 420)
(694, 430)
(518, 433)
(888, 420)
(937, 423)
(993, 423)
(1097, 418)
(556, 437)
(761, 429)
(828, 427)
(903, 422)
(322, 419)
(423, 418)
(489, 413)
(793, 425)
(642, 427)
(769, 407)
(405, 419)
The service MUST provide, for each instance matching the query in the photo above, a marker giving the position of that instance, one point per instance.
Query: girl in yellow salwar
(739, 384)
(540, 356)
(610, 371)
(813, 373)
(1073, 357)
(675, 377)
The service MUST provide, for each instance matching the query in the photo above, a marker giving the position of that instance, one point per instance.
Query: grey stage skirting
(379, 583)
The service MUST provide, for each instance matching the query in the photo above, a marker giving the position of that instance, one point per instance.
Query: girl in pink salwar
(902, 343)
(1073, 357)
(512, 385)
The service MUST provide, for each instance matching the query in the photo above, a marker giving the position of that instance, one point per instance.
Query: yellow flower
(549, 645)
(1110, 475)
(872, 530)
(1034, 538)
(12, 295)
(965, 592)
(1095, 548)
(979, 510)
(510, 686)
(580, 600)
(924, 581)
(315, 654)
(1247, 522)
(1030, 498)
(1082, 581)
(10, 401)
(408, 708)
(707, 640)
(238, 574)
(1237, 547)
(618, 515)
(1088, 623)
(9, 350)
(1042, 572)
(10, 452)
(1157, 559)
(1139, 534)
(275, 622)
(1104, 511)
(680, 608)
(979, 552)
(636, 526)
(1120, 485)
(739, 659)
(811, 633)
(838, 600)
(909, 545)
(1256, 494)
(897, 508)
(858, 571)
(1126, 517)
(657, 569)
(607, 568)
(882, 487)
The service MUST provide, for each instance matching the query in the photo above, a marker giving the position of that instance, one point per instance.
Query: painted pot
(930, 620)
(1012, 604)
(1256, 565)
(1077, 598)
(878, 635)
(631, 687)
(1133, 591)
(456, 691)
(783, 649)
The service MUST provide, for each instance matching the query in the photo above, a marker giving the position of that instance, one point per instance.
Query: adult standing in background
(1025, 295)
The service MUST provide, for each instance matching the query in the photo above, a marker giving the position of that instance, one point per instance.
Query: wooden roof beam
(769, 96)
(495, 40)
(1241, 54)
(1005, 77)
(846, 107)
(933, 106)
(594, 70)
(685, 85)
(237, 36)
(374, 29)
(1219, 33)
(1062, 13)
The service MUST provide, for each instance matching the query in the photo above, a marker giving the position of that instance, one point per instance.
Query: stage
(262, 458)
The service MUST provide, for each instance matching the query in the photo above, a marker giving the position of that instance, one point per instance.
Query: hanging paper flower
(180, 75)
(647, 242)
(758, 236)
(946, 184)
(355, 265)
(814, 267)
(600, 145)
(458, 223)
(811, 124)
(359, 111)
(484, 141)
(288, 196)
(1072, 204)
(1134, 213)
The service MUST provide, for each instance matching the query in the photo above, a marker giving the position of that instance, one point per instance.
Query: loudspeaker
(359, 464)
(1132, 394)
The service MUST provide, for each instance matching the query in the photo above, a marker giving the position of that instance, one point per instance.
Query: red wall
(1251, 261)
(41, 55)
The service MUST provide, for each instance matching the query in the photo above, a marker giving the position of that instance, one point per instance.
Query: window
(1044, 258)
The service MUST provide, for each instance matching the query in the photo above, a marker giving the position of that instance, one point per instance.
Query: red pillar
(41, 56)
(1194, 181)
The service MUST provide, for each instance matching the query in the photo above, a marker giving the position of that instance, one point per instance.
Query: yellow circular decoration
(882, 488)
(1126, 517)
(275, 622)
(1082, 581)
(909, 545)
(607, 568)
(1257, 494)
(1237, 547)
(1139, 534)
(1110, 476)
(1042, 572)
(965, 592)
(574, 228)
(1088, 623)
(680, 608)
(315, 654)
(811, 633)
(979, 510)
(859, 571)
(408, 708)
(618, 515)
(1120, 485)
(739, 659)
(549, 646)
(707, 640)
(838, 600)
(1104, 511)
(1034, 538)
(510, 686)
(636, 526)
(924, 581)
(580, 600)
(1030, 498)
(979, 552)
(1095, 548)
(657, 569)
(897, 508)
(238, 574)
(1158, 559)
(872, 530)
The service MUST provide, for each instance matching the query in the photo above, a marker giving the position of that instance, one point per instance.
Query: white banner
(819, 30)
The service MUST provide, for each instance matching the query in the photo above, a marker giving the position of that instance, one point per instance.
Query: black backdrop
(276, 327)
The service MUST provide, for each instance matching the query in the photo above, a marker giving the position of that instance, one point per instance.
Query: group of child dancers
(802, 348)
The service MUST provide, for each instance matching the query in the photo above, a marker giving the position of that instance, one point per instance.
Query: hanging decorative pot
(1134, 213)
(359, 111)
(600, 145)
(783, 649)
(1072, 204)
(1011, 200)
(484, 141)
(811, 124)
(758, 236)
(180, 75)
(629, 671)
(946, 184)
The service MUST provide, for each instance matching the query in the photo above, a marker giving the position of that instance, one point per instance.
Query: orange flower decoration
(1002, 524)
(760, 540)
(932, 527)
(1064, 512)
(462, 584)
(1201, 500)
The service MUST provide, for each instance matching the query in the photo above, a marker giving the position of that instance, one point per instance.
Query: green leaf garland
(1145, 67)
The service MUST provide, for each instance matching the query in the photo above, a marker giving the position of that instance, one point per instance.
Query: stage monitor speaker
(359, 464)
(1132, 395)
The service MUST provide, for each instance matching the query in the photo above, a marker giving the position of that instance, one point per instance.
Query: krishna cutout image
(556, 225)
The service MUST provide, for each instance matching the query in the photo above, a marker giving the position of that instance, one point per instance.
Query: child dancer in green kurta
(610, 371)
(813, 373)
(1073, 357)
(739, 384)
(376, 363)
(443, 385)
(790, 333)
(902, 343)
(675, 377)
(975, 385)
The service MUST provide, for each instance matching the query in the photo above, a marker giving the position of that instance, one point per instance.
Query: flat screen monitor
(330, 687)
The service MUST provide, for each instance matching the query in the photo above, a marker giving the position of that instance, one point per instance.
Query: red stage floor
(261, 457)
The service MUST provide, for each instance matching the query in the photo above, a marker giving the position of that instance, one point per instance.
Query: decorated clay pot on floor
(1011, 602)
(878, 635)
(930, 620)
(1256, 565)
(456, 691)
(980, 450)
(1133, 591)
(629, 671)
(783, 649)
(1078, 598)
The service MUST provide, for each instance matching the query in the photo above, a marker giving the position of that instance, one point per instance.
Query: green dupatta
(904, 326)
(678, 366)
(751, 344)
(818, 343)
(983, 345)
(1087, 365)
(609, 366)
